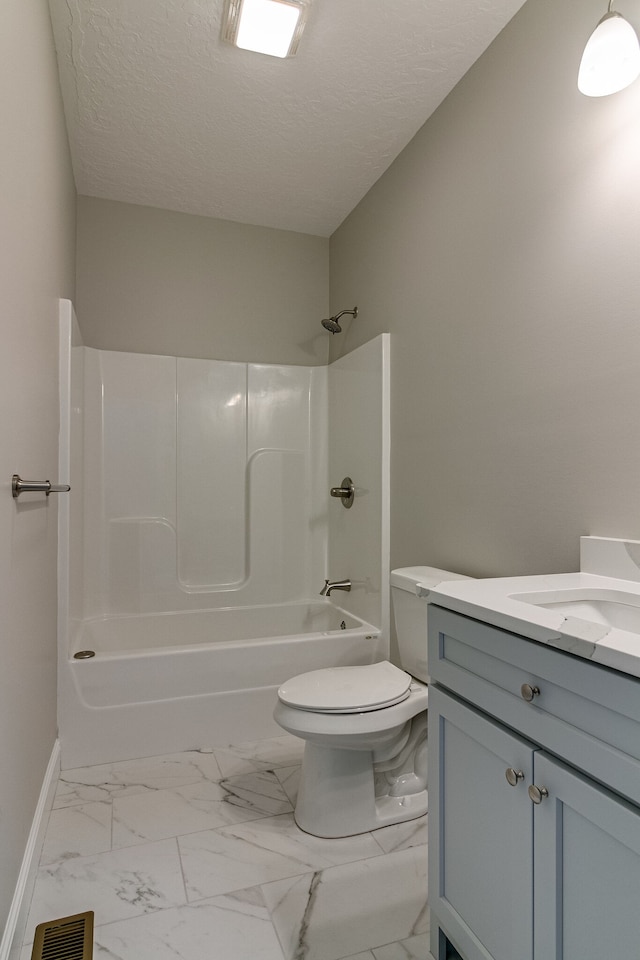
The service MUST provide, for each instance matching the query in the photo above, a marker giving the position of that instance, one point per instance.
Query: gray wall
(36, 267)
(501, 251)
(155, 281)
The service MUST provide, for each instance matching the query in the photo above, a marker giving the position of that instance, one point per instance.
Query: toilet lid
(347, 689)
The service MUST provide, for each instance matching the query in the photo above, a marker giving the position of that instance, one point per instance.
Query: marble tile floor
(196, 856)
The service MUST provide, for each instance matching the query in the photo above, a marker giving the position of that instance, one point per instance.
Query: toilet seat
(347, 689)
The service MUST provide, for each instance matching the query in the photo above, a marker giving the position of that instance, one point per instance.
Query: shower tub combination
(195, 535)
(167, 682)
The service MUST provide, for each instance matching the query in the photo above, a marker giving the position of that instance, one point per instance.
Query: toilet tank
(410, 614)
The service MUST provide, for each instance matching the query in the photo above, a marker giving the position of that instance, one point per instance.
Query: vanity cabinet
(534, 804)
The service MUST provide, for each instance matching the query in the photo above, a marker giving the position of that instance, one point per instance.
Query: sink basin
(614, 608)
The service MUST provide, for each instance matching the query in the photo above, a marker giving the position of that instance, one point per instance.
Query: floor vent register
(70, 938)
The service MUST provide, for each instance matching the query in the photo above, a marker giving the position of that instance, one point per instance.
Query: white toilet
(365, 757)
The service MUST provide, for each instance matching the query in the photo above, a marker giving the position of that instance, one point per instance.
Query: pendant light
(611, 58)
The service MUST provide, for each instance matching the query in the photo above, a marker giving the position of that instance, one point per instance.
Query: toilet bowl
(365, 728)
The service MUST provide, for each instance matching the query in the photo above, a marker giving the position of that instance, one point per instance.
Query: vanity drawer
(584, 713)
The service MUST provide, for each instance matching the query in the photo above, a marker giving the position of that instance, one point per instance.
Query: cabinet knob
(527, 692)
(537, 794)
(513, 776)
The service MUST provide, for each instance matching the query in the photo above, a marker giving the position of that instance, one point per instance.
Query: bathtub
(166, 682)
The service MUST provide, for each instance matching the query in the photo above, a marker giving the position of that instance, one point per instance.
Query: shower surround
(199, 528)
(203, 481)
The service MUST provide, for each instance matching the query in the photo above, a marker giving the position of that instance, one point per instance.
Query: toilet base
(342, 794)
(388, 810)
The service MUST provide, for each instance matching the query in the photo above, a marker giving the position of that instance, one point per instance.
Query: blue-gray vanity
(534, 773)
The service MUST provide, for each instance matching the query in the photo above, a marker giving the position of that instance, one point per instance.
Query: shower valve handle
(346, 492)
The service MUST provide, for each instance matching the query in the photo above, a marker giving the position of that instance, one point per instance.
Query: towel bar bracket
(18, 486)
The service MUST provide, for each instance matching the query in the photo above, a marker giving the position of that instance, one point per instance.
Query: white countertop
(492, 601)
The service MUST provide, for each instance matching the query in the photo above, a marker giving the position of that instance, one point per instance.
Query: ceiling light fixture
(273, 27)
(611, 58)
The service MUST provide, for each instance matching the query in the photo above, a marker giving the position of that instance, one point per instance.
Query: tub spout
(330, 585)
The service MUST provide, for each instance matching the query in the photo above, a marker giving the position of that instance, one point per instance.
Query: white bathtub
(162, 683)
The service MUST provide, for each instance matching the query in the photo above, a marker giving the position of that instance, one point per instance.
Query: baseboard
(13, 936)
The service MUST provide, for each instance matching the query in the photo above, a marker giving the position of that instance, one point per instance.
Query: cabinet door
(480, 834)
(586, 868)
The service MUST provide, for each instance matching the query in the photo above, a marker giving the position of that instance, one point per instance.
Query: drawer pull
(537, 794)
(513, 776)
(527, 692)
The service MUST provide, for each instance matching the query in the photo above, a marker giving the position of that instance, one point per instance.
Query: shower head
(332, 324)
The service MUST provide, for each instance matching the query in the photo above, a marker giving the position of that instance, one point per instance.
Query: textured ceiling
(161, 112)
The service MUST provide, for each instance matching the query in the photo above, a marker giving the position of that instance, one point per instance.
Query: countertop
(492, 601)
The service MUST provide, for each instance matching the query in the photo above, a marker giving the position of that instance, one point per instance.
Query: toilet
(365, 727)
